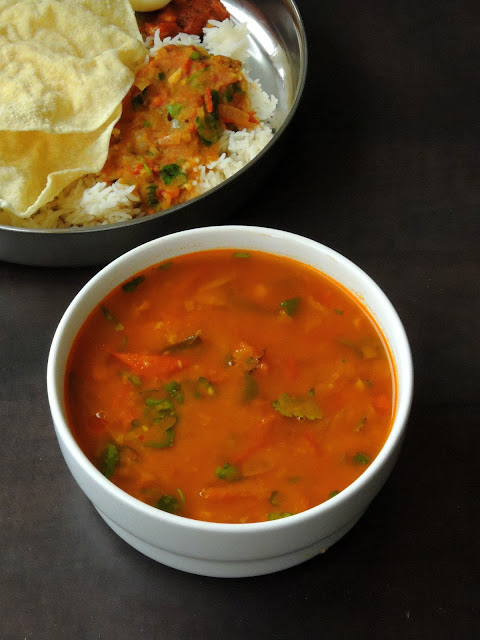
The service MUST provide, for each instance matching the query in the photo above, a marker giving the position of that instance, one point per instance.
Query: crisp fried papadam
(65, 66)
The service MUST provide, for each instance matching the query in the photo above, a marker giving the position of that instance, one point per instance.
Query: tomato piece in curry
(172, 122)
(230, 386)
(186, 16)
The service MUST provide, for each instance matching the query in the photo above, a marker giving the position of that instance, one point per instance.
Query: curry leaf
(192, 341)
(297, 407)
(132, 284)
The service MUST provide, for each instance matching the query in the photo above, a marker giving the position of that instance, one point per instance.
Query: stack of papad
(65, 66)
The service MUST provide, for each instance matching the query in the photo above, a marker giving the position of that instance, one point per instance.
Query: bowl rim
(303, 65)
(55, 380)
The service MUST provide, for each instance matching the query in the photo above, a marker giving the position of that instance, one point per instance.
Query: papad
(65, 67)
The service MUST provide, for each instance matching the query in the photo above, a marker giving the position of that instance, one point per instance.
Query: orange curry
(230, 386)
(172, 122)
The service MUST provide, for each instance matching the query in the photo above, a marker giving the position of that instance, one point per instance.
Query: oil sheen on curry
(230, 386)
(172, 121)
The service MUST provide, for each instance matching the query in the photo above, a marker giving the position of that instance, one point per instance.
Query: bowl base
(229, 568)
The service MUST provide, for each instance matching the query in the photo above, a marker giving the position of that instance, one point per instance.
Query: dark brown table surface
(384, 167)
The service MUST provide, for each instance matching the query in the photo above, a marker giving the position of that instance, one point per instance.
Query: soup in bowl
(230, 398)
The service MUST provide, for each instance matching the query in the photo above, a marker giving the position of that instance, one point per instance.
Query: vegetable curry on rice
(230, 386)
(172, 122)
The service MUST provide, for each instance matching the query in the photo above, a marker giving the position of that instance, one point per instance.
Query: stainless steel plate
(278, 58)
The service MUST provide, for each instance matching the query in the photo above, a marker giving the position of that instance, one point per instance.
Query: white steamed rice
(87, 202)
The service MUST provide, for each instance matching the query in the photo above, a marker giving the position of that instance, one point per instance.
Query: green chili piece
(169, 504)
(170, 172)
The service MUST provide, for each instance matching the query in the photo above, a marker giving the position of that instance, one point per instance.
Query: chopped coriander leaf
(169, 504)
(166, 442)
(152, 195)
(111, 318)
(161, 76)
(134, 379)
(182, 496)
(174, 391)
(231, 90)
(311, 393)
(195, 55)
(146, 124)
(165, 265)
(278, 516)
(208, 128)
(132, 284)
(274, 498)
(134, 424)
(339, 312)
(174, 109)
(162, 405)
(361, 458)
(170, 172)
(290, 306)
(228, 472)
(242, 254)
(110, 460)
(139, 100)
(297, 407)
(333, 494)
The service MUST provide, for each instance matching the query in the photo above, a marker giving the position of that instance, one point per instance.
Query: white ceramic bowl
(230, 550)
